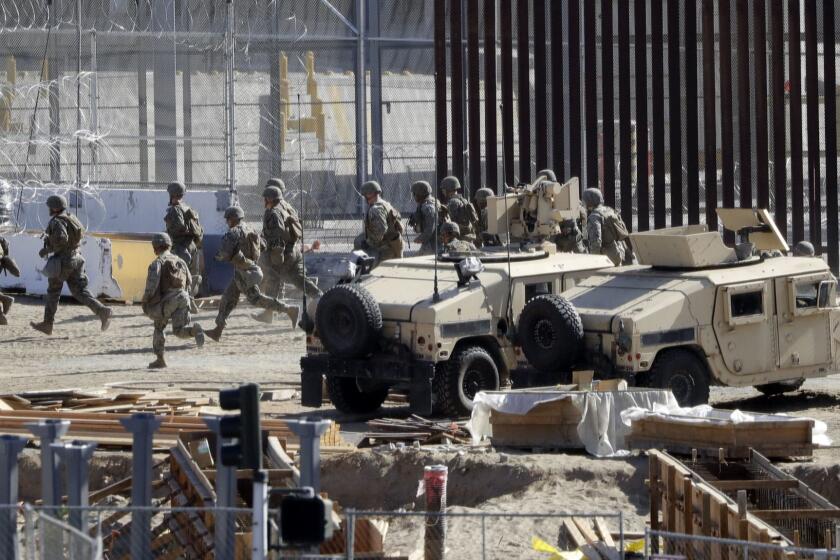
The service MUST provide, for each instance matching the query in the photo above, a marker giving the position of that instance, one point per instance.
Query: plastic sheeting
(705, 413)
(601, 428)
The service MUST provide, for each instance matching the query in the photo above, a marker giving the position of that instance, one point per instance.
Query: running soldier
(383, 227)
(427, 218)
(241, 247)
(8, 265)
(184, 228)
(461, 210)
(452, 242)
(282, 261)
(167, 298)
(65, 263)
(606, 232)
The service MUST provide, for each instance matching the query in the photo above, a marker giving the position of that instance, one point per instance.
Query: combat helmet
(483, 194)
(421, 189)
(450, 228)
(804, 249)
(234, 212)
(160, 240)
(592, 198)
(272, 193)
(450, 184)
(176, 189)
(371, 187)
(275, 182)
(57, 202)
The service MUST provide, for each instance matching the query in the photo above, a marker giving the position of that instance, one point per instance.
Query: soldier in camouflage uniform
(167, 298)
(600, 227)
(62, 240)
(425, 219)
(241, 247)
(569, 240)
(6, 265)
(383, 228)
(184, 227)
(481, 196)
(281, 262)
(804, 249)
(452, 243)
(461, 210)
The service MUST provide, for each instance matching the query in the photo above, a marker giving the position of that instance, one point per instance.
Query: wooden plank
(593, 540)
(784, 514)
(604, 532)
(580, 542)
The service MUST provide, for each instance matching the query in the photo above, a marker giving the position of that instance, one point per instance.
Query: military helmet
(234, 212)
(160, 240)
(548, 174)
(592, 197)
(450, 184)
(176, 189)
(421, 188)
(276, 182)
(272, 193)
(804, 249)
(483, 194)
(450, 228)
(371, 187)
(57, 202)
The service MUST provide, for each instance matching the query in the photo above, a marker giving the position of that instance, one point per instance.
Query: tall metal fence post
(48, 431)
(142, 426)
(10, 448)
(310, 433)
(76, 456)
(621, 534)
(361, 97)
(223, 526)
(350, 517)
(230, 88)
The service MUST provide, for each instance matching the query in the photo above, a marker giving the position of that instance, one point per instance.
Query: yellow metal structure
(131, 256)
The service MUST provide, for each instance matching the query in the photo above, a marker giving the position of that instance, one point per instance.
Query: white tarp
(601, 428)
(705, 413)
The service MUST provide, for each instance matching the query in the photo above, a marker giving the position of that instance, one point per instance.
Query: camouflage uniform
(183, 241)
(167, 299)
(282, 261)
(459, 246)
(6, 264)
(235, 249)
(66, 264)
(599, 235)
(462, 212)
(425, 222)
(569, 240)
(383, 231)
(481, 196)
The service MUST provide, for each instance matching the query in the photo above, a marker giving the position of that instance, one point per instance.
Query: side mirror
(826, 294)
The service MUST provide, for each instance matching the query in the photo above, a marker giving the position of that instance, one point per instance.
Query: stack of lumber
(592, 538)
(82, 401)
(414, 429)
(106, 429)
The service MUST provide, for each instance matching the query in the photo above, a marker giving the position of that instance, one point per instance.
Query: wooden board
(551, 424)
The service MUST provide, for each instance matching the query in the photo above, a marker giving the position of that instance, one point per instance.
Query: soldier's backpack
(75, 229)
(251, 245)
(616, 227)
(173, 274)
(194, 226)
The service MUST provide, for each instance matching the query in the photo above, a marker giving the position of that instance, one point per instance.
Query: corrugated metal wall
(672, 108)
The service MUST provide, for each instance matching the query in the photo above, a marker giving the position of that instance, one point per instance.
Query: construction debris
(747, 500)
(414, 429)
(594, 543)
(83, 401)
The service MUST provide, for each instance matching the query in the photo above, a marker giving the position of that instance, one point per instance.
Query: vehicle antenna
(436, 295)
(507, 221)
(304, 317)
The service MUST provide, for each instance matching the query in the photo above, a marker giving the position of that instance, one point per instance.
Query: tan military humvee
(387, 329)
(697, 312)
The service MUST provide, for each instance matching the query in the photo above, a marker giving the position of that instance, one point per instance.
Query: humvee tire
(682, 372)
(780, 387)
(348, 397)
(470, 370)
(348, 321)
(551, 333)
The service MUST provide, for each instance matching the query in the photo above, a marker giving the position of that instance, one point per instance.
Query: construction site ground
(78, 355)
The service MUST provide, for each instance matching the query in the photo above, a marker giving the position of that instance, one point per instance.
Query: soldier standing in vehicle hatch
(461, 210)
(184, 228)
(383, 229)
(65, 263)
(281, 262)
(167, 298)
(569, 240)
(452, 242)
(602, 225)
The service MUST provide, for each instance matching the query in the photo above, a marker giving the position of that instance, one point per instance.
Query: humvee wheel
(470, 370)
(347, 396)
(348, 321)
(684, 374)
(551, 333)
(780, 387)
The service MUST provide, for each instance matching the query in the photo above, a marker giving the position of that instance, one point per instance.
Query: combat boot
(293, 311)
(44, 327)
(105, 316)
(266, 316)
(3, 320)
(199, 336)
(6, 302)
(159, 363)
(215, 333)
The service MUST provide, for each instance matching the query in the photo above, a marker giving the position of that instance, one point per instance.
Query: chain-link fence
(323, 93)
(662, 545)
(47, 537)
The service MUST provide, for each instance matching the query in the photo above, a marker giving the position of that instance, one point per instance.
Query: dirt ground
(78, 355)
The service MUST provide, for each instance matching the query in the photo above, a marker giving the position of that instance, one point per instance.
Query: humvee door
(745, 325)
(804, 306)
